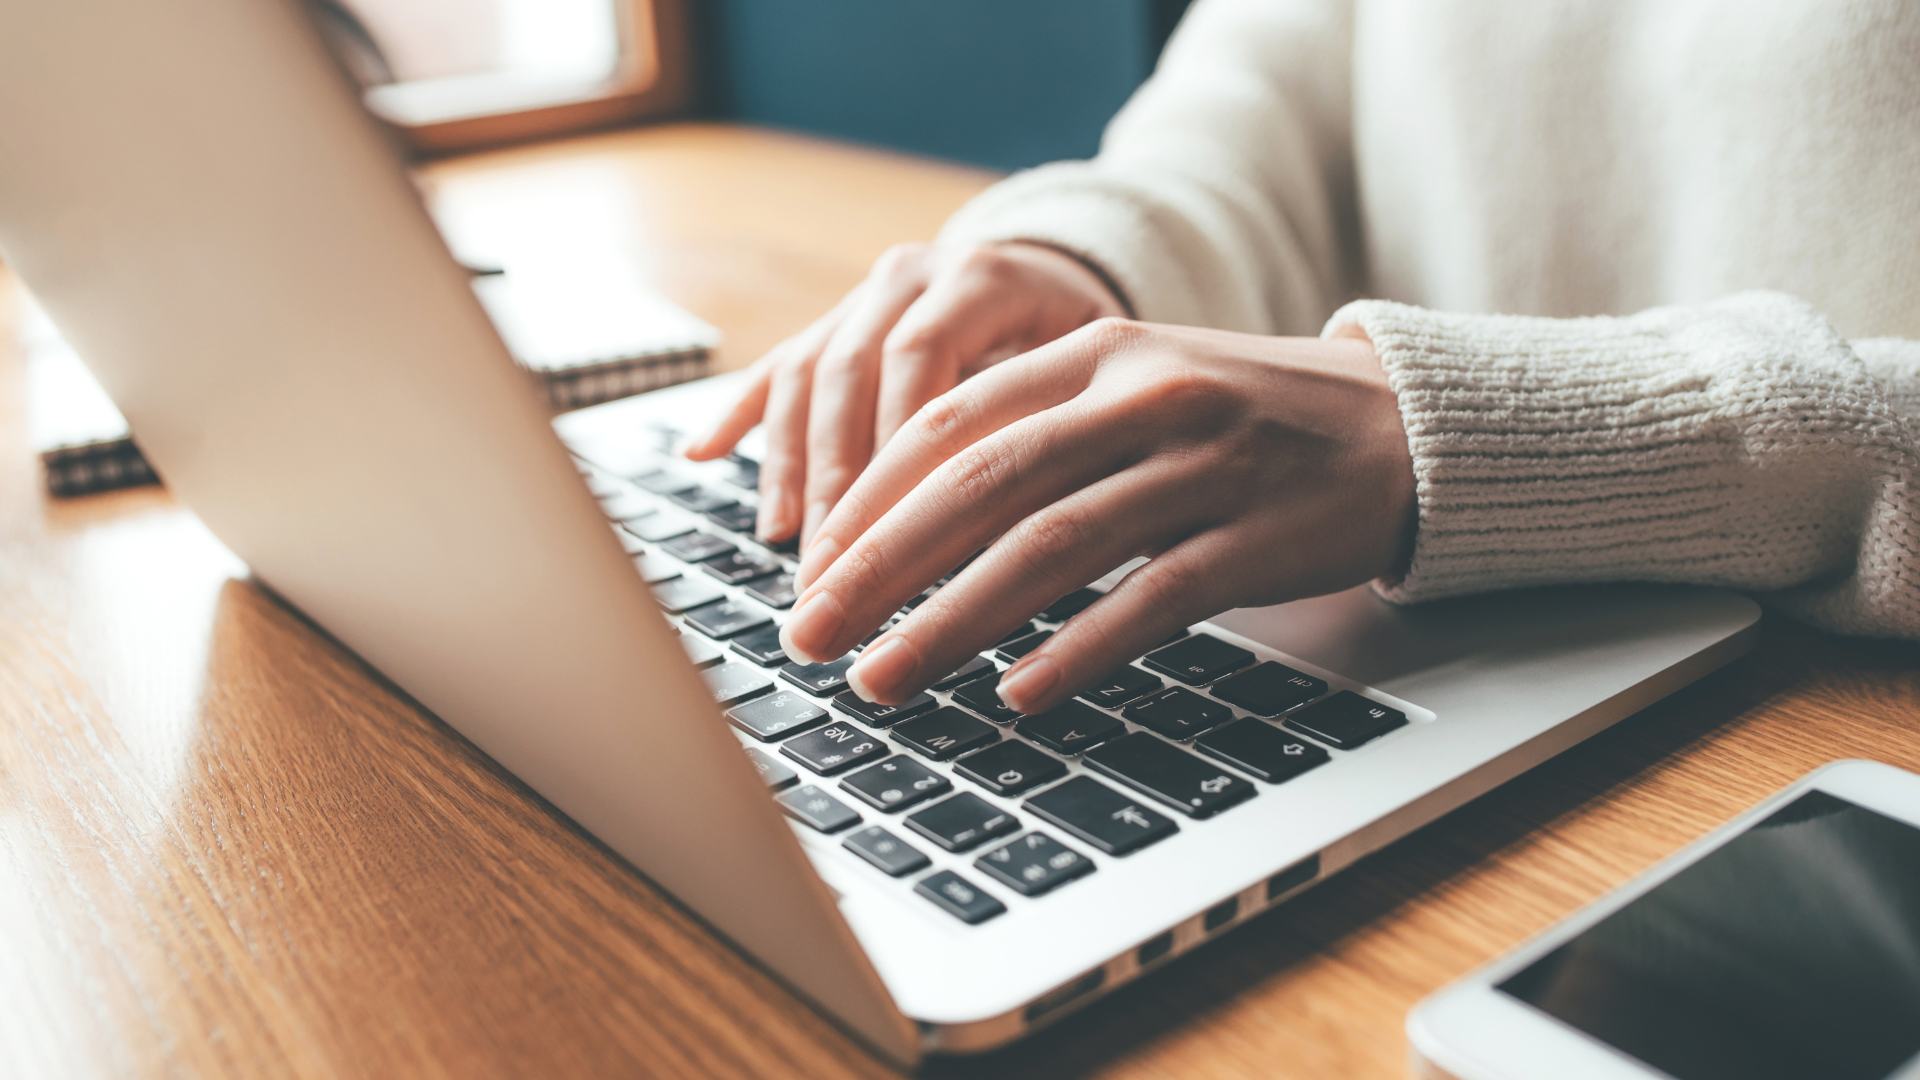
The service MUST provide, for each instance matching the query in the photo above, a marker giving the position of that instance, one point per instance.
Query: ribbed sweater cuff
(1657, 447)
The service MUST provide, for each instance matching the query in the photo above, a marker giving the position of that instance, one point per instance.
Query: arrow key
(1195, 787)
(1261, 750)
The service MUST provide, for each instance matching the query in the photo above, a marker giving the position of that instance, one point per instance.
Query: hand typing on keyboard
(922, 321)
(1251, 470)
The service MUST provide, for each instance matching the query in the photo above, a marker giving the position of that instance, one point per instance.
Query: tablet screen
(1792, 951)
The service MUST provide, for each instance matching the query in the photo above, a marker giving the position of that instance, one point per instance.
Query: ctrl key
(817, 808)
(958, 898)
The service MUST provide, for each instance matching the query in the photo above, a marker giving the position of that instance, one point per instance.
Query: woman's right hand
(925, 318)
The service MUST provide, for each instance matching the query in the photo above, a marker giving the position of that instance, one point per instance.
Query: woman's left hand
(1250, 470)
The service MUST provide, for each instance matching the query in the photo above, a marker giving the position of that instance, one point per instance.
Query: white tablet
(1785, 945)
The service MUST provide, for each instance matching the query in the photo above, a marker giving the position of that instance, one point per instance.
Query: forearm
(1740, 443)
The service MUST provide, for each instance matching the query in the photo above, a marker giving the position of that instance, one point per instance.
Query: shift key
(1194, 786)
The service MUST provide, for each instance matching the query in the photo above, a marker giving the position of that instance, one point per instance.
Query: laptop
(197, 197)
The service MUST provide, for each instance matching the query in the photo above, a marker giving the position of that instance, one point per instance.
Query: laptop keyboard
(952, 791)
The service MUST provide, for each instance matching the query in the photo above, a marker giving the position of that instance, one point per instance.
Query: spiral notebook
(588, 337)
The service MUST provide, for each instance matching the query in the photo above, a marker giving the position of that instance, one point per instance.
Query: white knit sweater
(1698, 222)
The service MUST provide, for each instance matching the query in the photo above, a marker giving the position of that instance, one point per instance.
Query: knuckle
(914, 342)
(1110, 334)
(983, 260)
(940, 421)
(1171, 585)
(980, 471)
(899, 259)
(1053, 535)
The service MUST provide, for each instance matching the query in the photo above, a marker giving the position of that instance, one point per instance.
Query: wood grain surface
(227, 848)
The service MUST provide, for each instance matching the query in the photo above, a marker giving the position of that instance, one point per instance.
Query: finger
(964, 315)
(739, 418)
(974, 497)
(1185, 585)
(783, 468)
(948, 425)
(1061, 547)
(846, 381)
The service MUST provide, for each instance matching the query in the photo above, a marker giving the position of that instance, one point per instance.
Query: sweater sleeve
(1741, 442)
(1222, 195)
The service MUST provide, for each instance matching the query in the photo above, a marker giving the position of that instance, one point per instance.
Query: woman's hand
(923, 320)
(1252, 470)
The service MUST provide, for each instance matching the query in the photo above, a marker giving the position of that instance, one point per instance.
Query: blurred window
(459, 73)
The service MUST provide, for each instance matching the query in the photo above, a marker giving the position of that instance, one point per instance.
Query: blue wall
(1004, 83)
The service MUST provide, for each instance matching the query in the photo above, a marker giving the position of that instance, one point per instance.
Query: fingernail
(883, 669)
(810, 632)
(815, 562)
(1028, 682)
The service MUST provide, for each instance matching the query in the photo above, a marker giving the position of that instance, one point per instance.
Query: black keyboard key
(1268, 689)
(1017, 633)
(725, 618)
(697, 547)
(734, 682)
(1195, 787)
(702, 652)
(738, 518)
(983, 697)
(1198, 659)
(659, 527)
(922, 598)
(746, 472)
(761, 646)
(887, 852)
(1069, 605)
(1115, 823)
(958, 898)
(738, 566)
(963, 822)
(835, 748)
(662, 482)
(682, 593)
(825, 679)
(777, 716)
(945, 733)
(775, 592)
(817, 808)
(977, 668)
(702, 500)
(896, 783)
(1071, 728)
(655, 569)
(1346, 720)
(1178, 713)
(1033, 864)
(775, 774)
(1261, 750)
(1014, 650)
(1010, 768)
(882, 715)
(1121, 687)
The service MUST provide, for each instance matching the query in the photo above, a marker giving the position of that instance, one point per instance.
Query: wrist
(1092, 273)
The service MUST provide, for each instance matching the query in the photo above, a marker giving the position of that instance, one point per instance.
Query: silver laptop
(196, 196)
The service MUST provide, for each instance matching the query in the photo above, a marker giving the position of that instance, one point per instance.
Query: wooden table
(227, 848)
